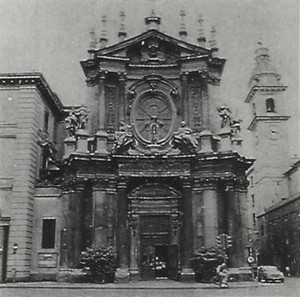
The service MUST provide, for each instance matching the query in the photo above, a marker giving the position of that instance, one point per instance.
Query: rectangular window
(46, 121)
(253, 200)
(254, 219)
(262, 230)
(48, 234)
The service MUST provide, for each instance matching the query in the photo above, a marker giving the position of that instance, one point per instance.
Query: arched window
(270, 105)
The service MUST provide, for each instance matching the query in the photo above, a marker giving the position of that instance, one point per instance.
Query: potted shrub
(205, 262)
(99, 263)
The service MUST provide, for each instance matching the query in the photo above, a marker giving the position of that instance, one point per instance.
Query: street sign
(250, 260)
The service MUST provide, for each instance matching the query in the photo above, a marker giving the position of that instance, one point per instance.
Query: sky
(52, 37)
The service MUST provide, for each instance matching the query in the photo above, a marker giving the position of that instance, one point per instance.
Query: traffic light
(229, 241)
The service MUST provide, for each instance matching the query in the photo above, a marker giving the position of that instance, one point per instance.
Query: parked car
(269, 274)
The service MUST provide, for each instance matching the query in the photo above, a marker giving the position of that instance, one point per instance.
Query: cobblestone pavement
(291, 288)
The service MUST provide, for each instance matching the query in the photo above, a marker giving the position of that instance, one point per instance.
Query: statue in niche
(77, 119)
(224, 113)
(154, 126)
(124, 139)
(184, 139)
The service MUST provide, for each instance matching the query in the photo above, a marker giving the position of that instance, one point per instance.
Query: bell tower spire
(182, 30)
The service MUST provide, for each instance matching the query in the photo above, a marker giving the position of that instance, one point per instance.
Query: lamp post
(15, 249)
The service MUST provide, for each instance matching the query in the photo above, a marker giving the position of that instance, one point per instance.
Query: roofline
(266, 117)
(279, 204)
(255, 89)
(292, 167)
(126, 42)
(36, 78)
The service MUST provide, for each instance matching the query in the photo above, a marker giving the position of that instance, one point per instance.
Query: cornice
(266, 118)
(255, 89)
(36, 79)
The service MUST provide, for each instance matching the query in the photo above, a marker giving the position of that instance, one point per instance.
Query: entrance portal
(155, 211)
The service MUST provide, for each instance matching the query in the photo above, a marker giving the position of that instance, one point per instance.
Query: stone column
(187, 273)
(185, 97)
(122, 274)
(237, 224)
(134, 235)
(100, 215)
(210, 213)
(92, 105)
(205, 103)
(101, 134)
(122, 105)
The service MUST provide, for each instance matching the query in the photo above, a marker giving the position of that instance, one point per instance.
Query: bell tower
(268, 126)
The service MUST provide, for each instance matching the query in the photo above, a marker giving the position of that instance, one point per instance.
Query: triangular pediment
(153, 45)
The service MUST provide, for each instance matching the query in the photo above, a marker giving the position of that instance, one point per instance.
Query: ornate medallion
(153, 117)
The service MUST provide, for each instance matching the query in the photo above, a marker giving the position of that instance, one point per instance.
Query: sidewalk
(140, 285)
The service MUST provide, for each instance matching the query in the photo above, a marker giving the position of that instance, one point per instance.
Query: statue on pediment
(224, 113)
(184, 139)
(76, 119)
(124, 139)
(151, 50)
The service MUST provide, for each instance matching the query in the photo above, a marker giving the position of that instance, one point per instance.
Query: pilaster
(187, 273)
(122, 274)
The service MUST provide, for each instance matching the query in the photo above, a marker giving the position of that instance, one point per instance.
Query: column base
(122, 275)
(134, 275)
(187, 275)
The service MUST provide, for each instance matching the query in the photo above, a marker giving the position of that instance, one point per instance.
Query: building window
(253, 200)
(270, 105)
(46, 120)
(262, 230)
(254, 219)
(48, 234)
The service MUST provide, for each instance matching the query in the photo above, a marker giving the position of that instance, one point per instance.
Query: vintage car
(269, 274)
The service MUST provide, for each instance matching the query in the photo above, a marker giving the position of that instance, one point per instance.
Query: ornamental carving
(76, 119)
(153, 117)
(196, 107)
(151, 50)
(110, 95)
(184, 139)
(124, 140)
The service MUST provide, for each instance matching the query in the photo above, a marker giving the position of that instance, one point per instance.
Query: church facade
(149, 166)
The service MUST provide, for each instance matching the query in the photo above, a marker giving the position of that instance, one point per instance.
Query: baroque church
(149, 164)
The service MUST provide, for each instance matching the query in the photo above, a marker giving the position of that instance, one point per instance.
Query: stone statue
(235, 126)
(154, 126)
(124, 139)
(77, 119)
(224, 113)
(184, 139)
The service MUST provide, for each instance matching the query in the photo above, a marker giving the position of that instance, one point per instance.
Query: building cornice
(36, 79)
(266, 118)
(256, 89)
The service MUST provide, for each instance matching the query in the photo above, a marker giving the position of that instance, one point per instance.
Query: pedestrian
(222, 273)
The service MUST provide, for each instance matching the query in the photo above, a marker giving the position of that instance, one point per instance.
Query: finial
(213, 41)
(152, 21)
(182, 31)
(201, 37)
(93, 40)
(103, 37)
(92, 44)
(264, 71)
(122, 32)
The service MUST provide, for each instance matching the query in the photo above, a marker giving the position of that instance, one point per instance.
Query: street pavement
(290, 288)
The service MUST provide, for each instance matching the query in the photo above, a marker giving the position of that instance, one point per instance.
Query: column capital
(122, 76)
(122, 183)
(184, 76)
(102, 75)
